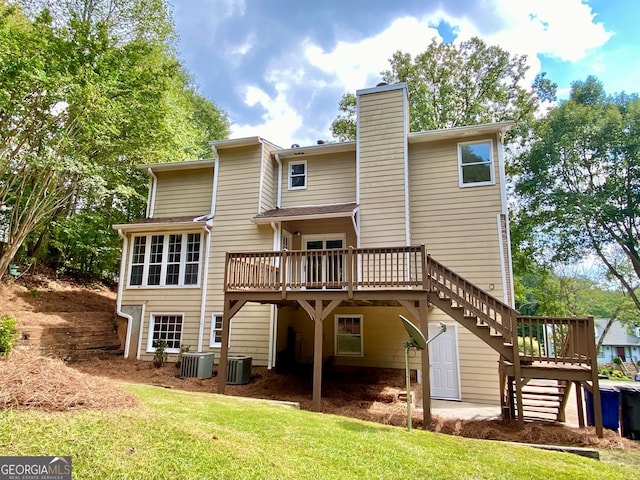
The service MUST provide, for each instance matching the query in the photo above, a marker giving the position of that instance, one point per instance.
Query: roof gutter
(119, 312)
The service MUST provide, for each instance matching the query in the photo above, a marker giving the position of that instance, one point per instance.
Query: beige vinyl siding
(269, 179)
(330, 179)
(186, 192)
(233, 230)
(382, 146)
(459, 228)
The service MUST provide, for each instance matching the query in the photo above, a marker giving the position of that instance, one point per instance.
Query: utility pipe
(204, 284)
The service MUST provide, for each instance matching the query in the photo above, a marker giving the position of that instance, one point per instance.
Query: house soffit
(459, 133)
(174, 166)
(312, 212)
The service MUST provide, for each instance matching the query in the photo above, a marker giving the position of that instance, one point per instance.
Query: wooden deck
(562, 349)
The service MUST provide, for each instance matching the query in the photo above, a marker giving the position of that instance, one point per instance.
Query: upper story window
(165, 260)
(297, 175)
(475, 160)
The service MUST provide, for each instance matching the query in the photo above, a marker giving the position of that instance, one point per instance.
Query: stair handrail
(476, 301)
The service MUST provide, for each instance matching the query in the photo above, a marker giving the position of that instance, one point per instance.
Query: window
(165, 260)
(476, 163)
(167, 327)
(348, 341)
(297, 175)
(216, 330)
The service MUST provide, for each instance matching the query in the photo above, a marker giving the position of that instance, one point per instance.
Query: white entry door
(443, 358)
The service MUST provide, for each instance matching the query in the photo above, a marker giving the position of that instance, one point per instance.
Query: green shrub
(8, 334)
(617, 361)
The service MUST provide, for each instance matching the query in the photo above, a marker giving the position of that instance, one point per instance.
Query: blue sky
(280, 67)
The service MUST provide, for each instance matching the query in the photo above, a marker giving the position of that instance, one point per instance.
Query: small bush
(8, 334)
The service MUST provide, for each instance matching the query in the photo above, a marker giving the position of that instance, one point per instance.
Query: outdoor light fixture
(417, 341)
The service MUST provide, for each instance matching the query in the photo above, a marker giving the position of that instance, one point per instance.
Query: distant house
(620, 341)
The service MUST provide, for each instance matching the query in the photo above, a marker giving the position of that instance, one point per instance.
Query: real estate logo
(35, 468)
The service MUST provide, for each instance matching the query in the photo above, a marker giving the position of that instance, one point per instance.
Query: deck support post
(426, 385)
(231, 307)
(579, 404)
(317, 358)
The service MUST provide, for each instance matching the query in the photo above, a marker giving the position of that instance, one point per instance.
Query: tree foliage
(90, 88)
(456, 85)
(578, 186)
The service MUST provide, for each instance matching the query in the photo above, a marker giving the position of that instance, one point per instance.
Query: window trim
(152, 318)
(335, 335)
(492, 181)
(305, 175)
(164, 263)
(212, 342)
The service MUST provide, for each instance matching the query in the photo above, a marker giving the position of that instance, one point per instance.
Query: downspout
(273, 314)
(505, 211)
(358, 163)
(405, 126)
(207, 255)
(279, 195)
(205, 283)
(152, 193)
(260, 189)
(119, 312)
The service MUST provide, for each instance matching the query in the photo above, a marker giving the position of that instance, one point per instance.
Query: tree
(83, 100)
(457, 85)
(578, 186)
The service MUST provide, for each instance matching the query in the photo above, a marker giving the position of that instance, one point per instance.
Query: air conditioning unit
(239, 370)
(196, 365)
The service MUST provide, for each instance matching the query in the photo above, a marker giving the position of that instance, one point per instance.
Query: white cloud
(352, 63)
(278, 122)
(563, 29)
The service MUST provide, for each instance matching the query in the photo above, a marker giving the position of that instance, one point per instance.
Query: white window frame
(335, 335)
(492, 180)
(152, 320)
(291, 175)
(321, 238)
(165, 255)
(212, 337)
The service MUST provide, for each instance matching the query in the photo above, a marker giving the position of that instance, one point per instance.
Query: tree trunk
(608, 326)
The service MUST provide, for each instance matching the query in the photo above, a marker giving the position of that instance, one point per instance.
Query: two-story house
(330, 244)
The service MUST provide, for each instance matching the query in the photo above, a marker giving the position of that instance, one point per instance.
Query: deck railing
(350, 268)
(538, 339)
(556, 340)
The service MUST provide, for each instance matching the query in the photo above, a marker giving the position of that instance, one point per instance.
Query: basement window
(216, 331)
(475, 160)
(348, 336)
(167, 327)
(297, 175)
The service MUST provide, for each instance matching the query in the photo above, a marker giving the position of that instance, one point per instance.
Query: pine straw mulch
(28, 381)
(372, 397)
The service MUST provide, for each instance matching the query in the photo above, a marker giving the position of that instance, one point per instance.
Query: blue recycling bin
(610, 406)
(630, 411)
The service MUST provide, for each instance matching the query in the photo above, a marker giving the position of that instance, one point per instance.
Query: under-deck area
(319, 281)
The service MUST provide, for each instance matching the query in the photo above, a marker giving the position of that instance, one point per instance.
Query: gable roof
(617, 334)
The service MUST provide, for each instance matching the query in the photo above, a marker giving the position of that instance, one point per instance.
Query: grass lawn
(177, 434)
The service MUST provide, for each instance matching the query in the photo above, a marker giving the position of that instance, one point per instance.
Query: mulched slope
(28, 381)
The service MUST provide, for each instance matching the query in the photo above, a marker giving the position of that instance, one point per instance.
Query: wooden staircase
(540, 357)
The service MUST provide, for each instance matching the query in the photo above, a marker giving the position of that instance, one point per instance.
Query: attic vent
(382, 84)
(196, 365)
(295, 145)
(320, 142)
